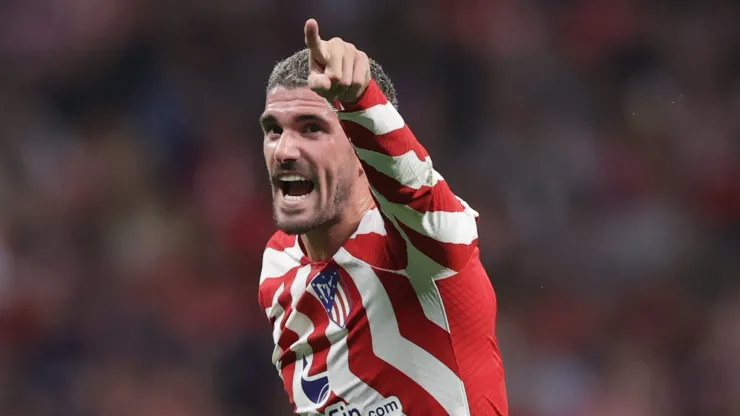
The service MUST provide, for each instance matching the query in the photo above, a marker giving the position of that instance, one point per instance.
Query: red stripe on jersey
(413, 323)
(288, 372)
(390, 188)
(373, 248)
(450, 255)
(286, 339)
(372, 96)
(280, 241)
(425, 199)
(268, 287)
(473, 337)
(285, 299)
(312, 308)
(395, 143)
(287, 336)
(341, 308)
(373, 371)
(440, 198)
(396, 246)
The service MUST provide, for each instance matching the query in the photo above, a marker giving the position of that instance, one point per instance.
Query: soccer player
(373, 283)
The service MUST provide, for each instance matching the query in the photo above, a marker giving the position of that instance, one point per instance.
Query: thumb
(319, 83)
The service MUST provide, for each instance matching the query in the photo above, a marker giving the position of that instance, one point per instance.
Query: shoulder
(377, 243)
(282, 254)
(281, 241)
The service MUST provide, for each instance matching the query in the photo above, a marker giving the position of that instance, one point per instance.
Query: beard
(322, 217)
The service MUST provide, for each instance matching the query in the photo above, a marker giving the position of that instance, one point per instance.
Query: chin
(302, 223)
(293, 225)
(292, 228)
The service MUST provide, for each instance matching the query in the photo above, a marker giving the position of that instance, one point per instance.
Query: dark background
(600, 141)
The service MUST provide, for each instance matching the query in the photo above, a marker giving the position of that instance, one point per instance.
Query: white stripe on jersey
(276, 311)
(297, 321)
(447, 227)
(418, 264)
(340, 307)
(344, 383)
(388, 344)
(380, 119)
(407, 169)
(431, 301)
(302, 325)
(372, 222)
(276, 263)
(335, 315)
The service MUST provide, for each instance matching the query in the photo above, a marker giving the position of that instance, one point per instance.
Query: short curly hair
(292, 72)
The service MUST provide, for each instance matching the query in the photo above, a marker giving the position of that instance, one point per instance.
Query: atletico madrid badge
(331, 291)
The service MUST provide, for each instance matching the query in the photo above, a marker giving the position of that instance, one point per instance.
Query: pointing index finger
(313, 40)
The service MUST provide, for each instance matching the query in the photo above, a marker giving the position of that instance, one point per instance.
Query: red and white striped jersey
(401, 321)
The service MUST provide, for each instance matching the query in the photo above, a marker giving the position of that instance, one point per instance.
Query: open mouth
(295, 187)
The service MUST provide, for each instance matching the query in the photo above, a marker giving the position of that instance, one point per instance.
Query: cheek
(268, 151)
(342, 172)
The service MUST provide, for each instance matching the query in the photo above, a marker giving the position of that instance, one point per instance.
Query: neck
(323, 243)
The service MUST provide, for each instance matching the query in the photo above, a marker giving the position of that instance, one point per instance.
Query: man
(374, 285)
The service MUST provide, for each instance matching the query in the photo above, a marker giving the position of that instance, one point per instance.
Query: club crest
(331, 292)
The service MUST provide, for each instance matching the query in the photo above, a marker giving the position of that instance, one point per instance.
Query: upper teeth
(292, 178)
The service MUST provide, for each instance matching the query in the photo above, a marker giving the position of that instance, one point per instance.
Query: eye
(312, 128)
(273, 130)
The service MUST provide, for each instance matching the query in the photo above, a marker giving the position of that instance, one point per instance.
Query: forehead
(288, 102)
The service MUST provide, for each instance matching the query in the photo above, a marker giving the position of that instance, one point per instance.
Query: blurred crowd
(599, 139)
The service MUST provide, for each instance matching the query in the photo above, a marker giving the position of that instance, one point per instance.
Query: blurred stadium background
(599, 139)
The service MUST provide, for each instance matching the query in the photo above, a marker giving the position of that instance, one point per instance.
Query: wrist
(367, 98)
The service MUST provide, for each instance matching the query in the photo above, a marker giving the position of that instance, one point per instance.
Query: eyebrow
(268, 119)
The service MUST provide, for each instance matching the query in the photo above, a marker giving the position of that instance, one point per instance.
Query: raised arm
(435, 224)
(438, 229)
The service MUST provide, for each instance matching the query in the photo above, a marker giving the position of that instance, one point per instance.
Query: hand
(338, 71)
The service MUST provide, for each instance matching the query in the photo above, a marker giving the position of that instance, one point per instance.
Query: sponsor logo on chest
(387, 407)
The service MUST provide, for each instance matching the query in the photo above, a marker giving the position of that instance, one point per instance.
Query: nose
(287, 149)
